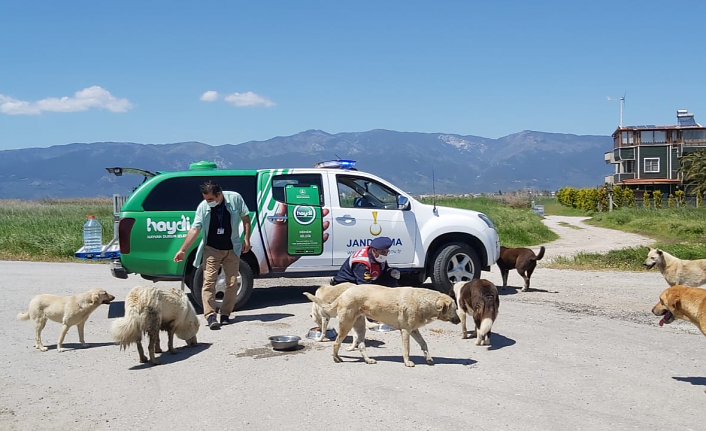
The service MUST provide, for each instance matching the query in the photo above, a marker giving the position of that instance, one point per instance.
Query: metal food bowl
(284, 342)
(381, 327)
(315, 332)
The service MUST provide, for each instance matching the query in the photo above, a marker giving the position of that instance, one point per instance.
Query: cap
(381, 243)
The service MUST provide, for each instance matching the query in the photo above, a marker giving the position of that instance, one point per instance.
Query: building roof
(651, 181)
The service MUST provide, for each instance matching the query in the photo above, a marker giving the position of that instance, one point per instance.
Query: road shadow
(116, 309)
(418, 360)
(276, 296)
(78, 346)
(165, 358)
(498, 341)
(696, 381)
(513, 290)
(265, 317)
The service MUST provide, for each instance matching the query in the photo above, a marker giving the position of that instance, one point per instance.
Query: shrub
(658, 199)
(681, 198)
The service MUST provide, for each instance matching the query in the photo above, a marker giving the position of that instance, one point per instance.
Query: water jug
(92, 235)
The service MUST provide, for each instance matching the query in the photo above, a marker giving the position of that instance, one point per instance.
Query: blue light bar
(336, 164)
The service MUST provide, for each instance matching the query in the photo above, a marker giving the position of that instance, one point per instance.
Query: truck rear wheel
(454, 262)
(246, 281)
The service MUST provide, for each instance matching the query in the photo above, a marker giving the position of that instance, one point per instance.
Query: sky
(227, 72)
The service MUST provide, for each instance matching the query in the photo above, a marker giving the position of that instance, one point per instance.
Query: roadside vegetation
(517, 225)
(49, 229)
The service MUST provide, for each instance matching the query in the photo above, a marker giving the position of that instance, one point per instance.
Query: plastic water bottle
(92, 235)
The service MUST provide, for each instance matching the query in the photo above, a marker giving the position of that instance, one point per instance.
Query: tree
(629, 197)
(618, 196)
(671, 202)
(658, 199)
(681, 199)
(693, 170)
(646, 200)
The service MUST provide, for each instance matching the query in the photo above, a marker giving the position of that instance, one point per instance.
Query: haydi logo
(304, 214)
(170, 227)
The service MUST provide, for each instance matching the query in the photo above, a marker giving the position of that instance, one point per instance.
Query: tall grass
(50, 229)
(517, 227)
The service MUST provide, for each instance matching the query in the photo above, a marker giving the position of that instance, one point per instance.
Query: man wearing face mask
(218, 216)
(369, 266)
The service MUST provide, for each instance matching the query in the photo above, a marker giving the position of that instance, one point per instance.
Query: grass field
(49, 230)
(517, 227)
(679, 231)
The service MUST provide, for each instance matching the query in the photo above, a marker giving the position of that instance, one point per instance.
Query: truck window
(359, 192)
(279, 182)
(183, 193)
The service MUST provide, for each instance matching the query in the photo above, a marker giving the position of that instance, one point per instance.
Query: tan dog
(149, 310)
(522, 259)
(328, 294)
(406, 308)
(675, 270)
(682, 302)
(67, 310)
(479, 298)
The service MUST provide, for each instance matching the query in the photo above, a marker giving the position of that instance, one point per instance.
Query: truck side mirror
(402, 203)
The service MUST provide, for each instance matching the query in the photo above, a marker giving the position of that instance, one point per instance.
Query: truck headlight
(486, 220)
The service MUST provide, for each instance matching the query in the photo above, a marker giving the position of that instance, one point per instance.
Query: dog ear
(442, 305)
(95, 297)
(674, 301)
(659, 252)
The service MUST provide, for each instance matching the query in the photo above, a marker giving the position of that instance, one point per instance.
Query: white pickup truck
(306, 222)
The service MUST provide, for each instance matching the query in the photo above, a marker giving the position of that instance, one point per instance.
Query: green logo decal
(304, 215)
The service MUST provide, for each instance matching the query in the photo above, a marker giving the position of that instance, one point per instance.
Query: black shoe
(225, 320)
(212, 322)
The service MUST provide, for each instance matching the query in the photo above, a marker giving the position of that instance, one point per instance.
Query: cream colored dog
(675, 270)
(149, 310)
(406, 308)
(67, 310)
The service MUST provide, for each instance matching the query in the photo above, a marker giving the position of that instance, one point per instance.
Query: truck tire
(454, 262)
(246, 282)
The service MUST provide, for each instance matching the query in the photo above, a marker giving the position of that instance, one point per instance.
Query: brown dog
(682, 302)
(522, 259)
(479, 298)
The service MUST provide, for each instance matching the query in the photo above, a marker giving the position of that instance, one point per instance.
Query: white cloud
(89, 98)
(248, 99)
(209, 96)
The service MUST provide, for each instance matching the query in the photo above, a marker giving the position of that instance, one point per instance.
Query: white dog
(67, 310)
(149, 310)
(677, 271)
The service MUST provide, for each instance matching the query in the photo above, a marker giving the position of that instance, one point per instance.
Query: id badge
(220, 231)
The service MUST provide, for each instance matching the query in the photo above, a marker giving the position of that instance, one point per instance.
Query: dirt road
(580, 352)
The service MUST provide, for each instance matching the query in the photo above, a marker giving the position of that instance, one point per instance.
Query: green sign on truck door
(304, 225)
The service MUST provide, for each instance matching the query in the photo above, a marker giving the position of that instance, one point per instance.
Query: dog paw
(143, 359)
(409, 364)
(479, 342)
(371, 361)
(337, 359)
(157, 350)
(155, 361)
(42, 348)
(430, 361)
(173, 351)
(464, 336)
(351, 348)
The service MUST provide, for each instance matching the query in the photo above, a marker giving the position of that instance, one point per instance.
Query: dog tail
(128, 330)
(328, 309)
(540, 255)
(23, 316)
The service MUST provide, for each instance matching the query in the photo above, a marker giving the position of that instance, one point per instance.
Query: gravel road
(581, 351)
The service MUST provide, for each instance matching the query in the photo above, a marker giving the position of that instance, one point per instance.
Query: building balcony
(617, 178)
(609, 157)
(608, 179)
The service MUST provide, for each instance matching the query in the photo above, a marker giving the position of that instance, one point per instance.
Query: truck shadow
(278, 295)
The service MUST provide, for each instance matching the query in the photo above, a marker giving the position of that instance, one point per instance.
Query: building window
(694, 135)
(652, 165)
(626, 138)
(647, 137)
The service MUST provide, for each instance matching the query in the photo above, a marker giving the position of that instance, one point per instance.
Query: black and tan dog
(479, 298)
(522, 259)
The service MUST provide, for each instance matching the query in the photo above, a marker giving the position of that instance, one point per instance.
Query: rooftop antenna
(622, 105)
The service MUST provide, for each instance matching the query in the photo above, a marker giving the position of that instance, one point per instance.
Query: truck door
(363, 209)
(295, 224)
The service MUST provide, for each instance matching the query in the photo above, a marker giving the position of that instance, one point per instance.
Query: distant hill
(461, 164)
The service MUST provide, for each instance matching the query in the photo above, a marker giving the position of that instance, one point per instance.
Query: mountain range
(410, 160)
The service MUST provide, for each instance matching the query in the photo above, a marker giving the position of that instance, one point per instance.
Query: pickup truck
(305, 222)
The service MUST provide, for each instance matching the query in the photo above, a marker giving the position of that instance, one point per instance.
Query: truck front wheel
(454, 262)
(246, 281)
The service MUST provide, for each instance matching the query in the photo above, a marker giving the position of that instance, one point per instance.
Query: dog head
(187, 329)
(100, 296)
(669, 305)
(654, 256)
(446, 308)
